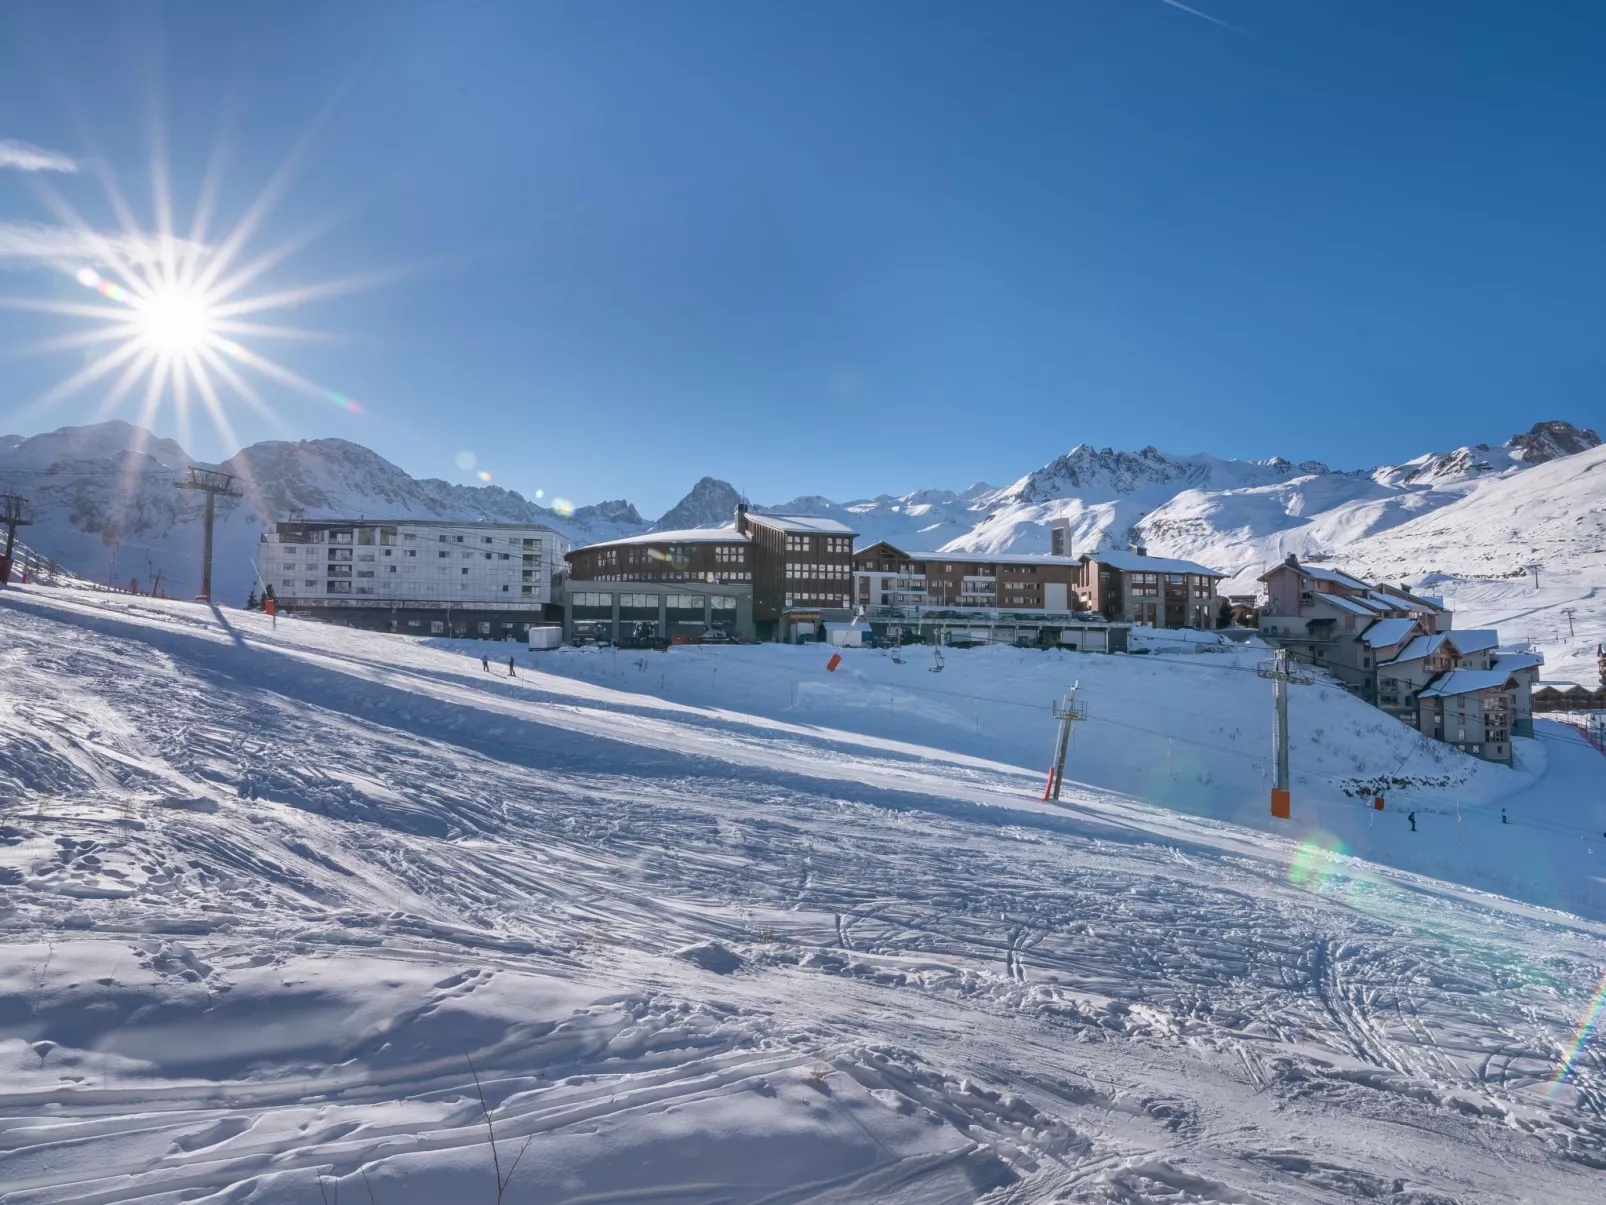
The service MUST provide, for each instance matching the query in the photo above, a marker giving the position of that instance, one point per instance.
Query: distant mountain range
(106, 508)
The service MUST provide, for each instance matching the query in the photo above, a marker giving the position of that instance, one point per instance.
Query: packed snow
(296, 912)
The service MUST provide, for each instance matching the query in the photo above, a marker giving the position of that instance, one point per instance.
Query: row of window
(721, 576)
(826, 600)
(798, 569)
(387, 536)
(675, 602)
(828, 544)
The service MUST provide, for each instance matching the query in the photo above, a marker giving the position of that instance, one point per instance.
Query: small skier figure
(510, 672)
(485, 664)
(1412, 818)
(1503, 819)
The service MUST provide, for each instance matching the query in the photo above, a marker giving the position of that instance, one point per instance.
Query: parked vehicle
(715, 636)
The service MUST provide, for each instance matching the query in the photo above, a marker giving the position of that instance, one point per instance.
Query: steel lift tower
(214, 485)
(13, 514)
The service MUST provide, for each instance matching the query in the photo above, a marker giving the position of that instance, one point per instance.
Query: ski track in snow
(265, 894)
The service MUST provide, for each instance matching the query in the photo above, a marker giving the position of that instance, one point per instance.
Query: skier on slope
(1503, 819)
(485, 664)
(1412, 818)
(510, 672)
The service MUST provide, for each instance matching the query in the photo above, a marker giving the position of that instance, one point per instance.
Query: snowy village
(498, 704)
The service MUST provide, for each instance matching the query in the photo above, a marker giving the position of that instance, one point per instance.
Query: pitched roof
(803, 523)
(1317, 573)
(1135, 562)
(1516, 661)
(1386, 632)
(1475, 640)
(1422, 646)
(1465, 682)
(1426, 600)
(1353, 605)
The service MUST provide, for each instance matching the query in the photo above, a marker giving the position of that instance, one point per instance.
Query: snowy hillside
(714, 929)
(107, 509)
(105, 504)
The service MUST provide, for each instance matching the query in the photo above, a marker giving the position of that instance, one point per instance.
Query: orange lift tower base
(1281, 672)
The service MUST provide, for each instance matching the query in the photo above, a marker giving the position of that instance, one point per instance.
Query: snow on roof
(1379, 605)
(1135, 562)
(832, 625)
(1333, 575)
(691, 535)
(1516, 661)
(1353, 605)
(1388, 631)
(1465, 682)
(1561, 686)
(1401, 592)
(1422, 646)
(1475, 640)
(810, 523)
(995, 558)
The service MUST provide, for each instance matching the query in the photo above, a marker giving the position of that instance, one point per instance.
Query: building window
(443, 554)
(458, 539)
(485, 540)
(465, 570)
(393, 569)
(504, 589)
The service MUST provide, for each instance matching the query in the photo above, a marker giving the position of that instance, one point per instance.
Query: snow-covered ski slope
(266, 894)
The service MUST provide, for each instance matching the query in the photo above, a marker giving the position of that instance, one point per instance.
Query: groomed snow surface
(715, 925)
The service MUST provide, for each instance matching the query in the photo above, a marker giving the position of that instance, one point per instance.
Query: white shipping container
(545, 636)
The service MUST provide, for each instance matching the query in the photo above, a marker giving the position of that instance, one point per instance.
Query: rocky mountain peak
(709, 503)
(1550, 441)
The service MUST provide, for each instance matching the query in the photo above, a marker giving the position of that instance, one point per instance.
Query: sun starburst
(170, 310)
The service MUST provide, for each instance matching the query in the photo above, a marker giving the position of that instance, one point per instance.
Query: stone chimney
(1139, 549)
(741, 516)
(1059, 538)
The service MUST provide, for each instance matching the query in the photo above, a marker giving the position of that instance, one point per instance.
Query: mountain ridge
(107, 508)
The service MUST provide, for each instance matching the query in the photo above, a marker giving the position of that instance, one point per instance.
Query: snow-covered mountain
(107, 509)
(105, 506)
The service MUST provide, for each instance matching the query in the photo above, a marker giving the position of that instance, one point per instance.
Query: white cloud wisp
(25, 157)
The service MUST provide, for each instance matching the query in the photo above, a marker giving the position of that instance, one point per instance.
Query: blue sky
(842, 248)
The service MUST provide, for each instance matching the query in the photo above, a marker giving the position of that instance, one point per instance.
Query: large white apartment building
(414, 574)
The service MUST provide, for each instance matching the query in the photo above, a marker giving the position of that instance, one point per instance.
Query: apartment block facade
(884, 575)
(765, 577)
(1160, 592)
(422, 577)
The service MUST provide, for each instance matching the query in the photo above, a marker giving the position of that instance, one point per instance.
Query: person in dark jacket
(510, 672)
(1412, 818)
(485, 664)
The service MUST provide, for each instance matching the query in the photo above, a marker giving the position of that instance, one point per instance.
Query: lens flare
(467, 460)
(483, 475)
(540, 493)
(1318, 865)
(1592, 1016)
(563, 506)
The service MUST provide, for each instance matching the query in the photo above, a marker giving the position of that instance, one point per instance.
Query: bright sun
(174, 321)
